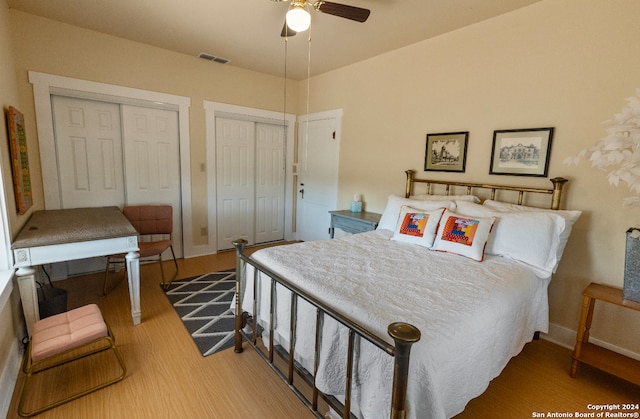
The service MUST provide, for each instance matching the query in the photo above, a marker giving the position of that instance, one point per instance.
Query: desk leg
(28, 295)
(582, 335)
(133, 271)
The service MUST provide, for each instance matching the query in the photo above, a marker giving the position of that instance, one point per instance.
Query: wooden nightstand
(353, 222)
(597, 356)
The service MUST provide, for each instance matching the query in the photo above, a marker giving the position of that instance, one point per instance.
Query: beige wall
(562, 63)
(567, 64)
(10, 316)
(50, 47)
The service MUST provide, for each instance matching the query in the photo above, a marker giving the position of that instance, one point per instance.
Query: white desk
(60, 235)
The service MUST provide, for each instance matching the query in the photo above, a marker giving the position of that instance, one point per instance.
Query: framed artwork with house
(521, 152)
(446, 152)
(19, 160)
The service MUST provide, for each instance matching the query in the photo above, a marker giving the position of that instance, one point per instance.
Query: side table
(353, 222)
(597, 356)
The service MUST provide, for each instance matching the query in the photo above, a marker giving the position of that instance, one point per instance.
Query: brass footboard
(403, 334)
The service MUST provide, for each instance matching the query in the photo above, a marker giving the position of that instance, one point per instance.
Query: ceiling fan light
(298, 19)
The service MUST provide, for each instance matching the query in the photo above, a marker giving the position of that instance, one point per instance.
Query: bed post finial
(404, 335)
(558, 183)
(409, 187)
(239, 244)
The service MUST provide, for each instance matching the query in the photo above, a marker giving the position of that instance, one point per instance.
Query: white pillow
(529, 237)
(463, 235)
(428, 197)
(569, 216)
(390, 215)
(417, 226)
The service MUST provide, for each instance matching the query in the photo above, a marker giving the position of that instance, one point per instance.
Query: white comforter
(473, 316)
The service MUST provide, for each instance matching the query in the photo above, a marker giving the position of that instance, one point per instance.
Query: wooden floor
(168, 378)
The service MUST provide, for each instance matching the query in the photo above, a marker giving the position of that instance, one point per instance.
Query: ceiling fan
(298, 18)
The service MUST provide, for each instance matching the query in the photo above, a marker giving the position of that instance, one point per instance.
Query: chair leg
(166, 284)
(175, 262)
(106, 277)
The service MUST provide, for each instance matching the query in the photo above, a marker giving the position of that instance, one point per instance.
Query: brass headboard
(555, 192)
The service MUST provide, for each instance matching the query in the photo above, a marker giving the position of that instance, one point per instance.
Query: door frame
(45, 85)
(217, 109)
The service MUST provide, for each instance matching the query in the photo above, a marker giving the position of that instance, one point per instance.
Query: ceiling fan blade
(287, 31)
(348, 12)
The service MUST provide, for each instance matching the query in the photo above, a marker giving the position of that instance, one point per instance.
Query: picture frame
(19, 160)
(521, 152)
(446, 152)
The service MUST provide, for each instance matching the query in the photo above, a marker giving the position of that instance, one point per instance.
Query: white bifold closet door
(114, 154)
(89, 152)
(250, 181)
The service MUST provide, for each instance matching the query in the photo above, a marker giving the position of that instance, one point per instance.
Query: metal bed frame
(404, 335)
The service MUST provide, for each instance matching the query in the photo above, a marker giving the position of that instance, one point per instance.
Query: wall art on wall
(521, 152)
(19, 160)
(446, 152)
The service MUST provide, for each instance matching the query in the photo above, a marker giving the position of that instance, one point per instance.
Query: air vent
(213, 58)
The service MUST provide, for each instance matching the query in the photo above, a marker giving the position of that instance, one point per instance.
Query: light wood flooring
(168, 378)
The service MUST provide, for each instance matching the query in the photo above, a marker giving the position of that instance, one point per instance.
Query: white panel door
(235, 181)
(270, 183)
(89, 152)
(89, 160)
(318, 157)
(152, 162)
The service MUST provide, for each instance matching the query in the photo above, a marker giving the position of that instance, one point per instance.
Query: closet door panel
(88, 152)
(270, 182)
(235, 181)
(152, 162)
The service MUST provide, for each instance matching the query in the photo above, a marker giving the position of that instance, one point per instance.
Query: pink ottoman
(60, 334)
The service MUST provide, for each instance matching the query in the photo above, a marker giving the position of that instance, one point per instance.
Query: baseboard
(566, 337)
(560, 335)
(9, 377)
(197, 251)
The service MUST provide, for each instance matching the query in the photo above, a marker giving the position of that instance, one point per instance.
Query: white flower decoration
(618, 153)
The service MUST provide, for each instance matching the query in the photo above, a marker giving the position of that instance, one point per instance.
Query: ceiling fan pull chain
(308, 85)
(284, 106)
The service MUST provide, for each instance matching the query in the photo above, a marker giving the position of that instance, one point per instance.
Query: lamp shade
(298, 19)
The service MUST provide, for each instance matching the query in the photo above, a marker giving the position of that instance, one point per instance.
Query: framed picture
(521, 152)
(446, 152)
(19, 160)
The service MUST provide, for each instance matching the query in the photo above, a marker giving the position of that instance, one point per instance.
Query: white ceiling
(247, 32)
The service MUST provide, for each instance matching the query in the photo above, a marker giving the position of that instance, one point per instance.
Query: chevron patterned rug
(203, 303)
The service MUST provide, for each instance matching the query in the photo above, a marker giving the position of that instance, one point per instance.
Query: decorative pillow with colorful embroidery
(463, 235)
(391, 214)
(417, 226)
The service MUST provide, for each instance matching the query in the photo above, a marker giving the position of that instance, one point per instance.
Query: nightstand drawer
(352, 226)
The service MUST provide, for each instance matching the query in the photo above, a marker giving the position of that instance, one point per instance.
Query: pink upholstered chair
(64, 338)
(150, 221)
